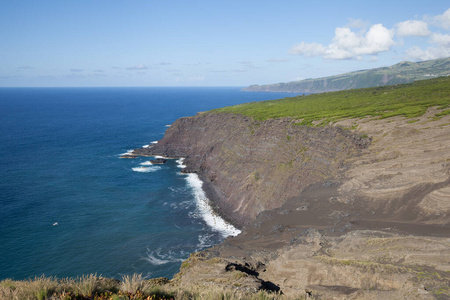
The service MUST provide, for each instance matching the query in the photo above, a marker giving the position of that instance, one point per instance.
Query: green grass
(408, 100)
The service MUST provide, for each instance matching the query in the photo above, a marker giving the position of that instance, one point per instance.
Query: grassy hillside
(403, 72)
(408, 100)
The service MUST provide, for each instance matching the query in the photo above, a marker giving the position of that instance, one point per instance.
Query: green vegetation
(403, 72)
(408, 100)
(443, 113)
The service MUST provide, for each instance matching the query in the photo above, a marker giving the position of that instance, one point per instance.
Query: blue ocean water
(70, 206)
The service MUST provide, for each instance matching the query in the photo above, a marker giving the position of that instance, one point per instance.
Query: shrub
(132, 283)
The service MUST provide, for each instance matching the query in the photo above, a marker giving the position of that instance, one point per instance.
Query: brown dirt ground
(380, 230)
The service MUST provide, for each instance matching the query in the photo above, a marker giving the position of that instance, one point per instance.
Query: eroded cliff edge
(360, 209)
(249, 166)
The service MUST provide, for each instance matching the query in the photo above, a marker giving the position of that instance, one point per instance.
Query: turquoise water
(70, 206)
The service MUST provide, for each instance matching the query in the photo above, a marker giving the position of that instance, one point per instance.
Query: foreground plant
(132, 287)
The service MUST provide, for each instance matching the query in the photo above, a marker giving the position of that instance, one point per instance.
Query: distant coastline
(403, 72)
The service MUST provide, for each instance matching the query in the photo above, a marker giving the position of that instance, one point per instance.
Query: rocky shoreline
(325, 212)
(248, 167)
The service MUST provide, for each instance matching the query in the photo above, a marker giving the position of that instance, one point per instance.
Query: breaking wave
(146, 169)
(128, 152)
(151, 143)
(180, 163)
(206, 212)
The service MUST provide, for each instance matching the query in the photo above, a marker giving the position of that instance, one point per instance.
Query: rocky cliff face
(249, 166)
(325, 213)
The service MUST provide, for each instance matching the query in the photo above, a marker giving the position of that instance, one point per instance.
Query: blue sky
(211, 43)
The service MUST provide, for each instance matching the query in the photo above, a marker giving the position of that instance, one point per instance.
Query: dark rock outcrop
(158, 161)
(128, 155)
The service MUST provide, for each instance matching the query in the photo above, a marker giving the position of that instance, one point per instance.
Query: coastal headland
(349, 207)
(342, 195)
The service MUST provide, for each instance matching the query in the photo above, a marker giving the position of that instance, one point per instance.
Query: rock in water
(158, 161)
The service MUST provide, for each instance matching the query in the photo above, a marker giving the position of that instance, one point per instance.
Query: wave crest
(146, 169)
(206, 212)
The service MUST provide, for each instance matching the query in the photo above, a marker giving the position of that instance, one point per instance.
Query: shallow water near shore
(70, 206)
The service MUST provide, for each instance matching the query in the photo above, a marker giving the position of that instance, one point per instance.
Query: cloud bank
(349, 43)
(413, 28)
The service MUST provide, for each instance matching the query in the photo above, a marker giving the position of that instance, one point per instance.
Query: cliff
(339, 196)
(403, 72)
(357, 208)
(250, 166)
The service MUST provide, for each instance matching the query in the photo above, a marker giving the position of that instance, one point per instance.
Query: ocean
(69, 205)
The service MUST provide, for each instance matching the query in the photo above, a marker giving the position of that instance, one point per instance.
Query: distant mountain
(403, 72)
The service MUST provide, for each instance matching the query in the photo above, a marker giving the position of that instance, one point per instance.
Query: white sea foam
(180, 163)
(178, 190)
(204, 241)
(128, 152)
(167, 125)
(148, 163)
(146, 146)
(157, 258)
(156, 261)
(181, 205)
(146, 169)
(205, 210)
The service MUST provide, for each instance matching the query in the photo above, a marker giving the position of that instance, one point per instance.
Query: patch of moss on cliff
(409, 100)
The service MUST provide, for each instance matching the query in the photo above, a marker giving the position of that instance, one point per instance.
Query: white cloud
(345, 38)
(378, 39)
(440, 43)
(413, 28)
(440, 50)
(417, 53)
(443, 20)
(334, 52)
(357, 40)
(442, 40)
(348, 44)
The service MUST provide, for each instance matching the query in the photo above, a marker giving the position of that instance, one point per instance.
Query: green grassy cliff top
(408, 100)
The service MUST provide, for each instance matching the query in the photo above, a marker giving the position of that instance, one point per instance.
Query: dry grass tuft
(132, 287)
